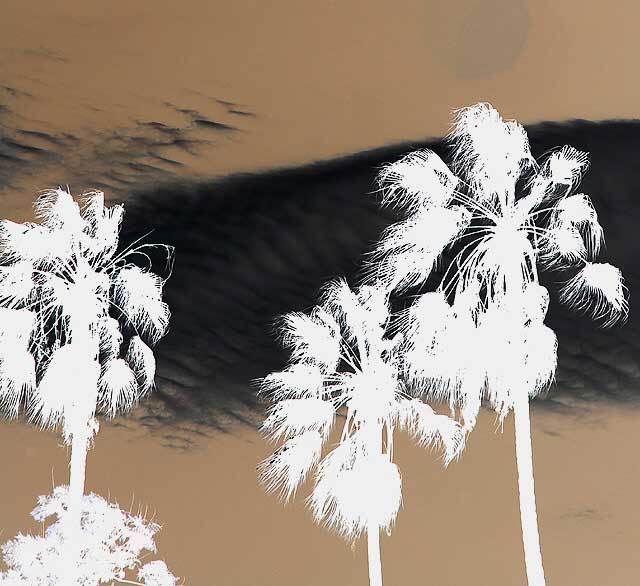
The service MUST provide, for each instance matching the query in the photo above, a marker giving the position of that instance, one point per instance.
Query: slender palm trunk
(79, 445)
(528, 516)
(373, 549)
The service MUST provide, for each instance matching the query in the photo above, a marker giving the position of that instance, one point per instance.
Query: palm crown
(60, 283)
(505, 237)
(341, 359)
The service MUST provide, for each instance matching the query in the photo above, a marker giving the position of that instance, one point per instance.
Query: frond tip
(352, 498)
(598, 289)
(287, 468)
(418, 180)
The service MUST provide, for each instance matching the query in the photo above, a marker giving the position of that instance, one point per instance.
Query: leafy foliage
(342, 359)
(111, 542)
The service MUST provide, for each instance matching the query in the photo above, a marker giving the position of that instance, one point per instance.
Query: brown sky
(316, 79)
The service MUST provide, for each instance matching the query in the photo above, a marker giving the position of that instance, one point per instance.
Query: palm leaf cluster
(507, 219)
(65, 296)
(343, 362)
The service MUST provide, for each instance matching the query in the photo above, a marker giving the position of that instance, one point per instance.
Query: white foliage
(143, 363)
(419, 180)
(57, 210)
(16, 283)
(67, 391)
(287, 468)
(351, 498)
(156, 573)
(357, 486)
(298, 380)
(290, 417)
(566, 166)
(493, 342)
(118, 388)
(561, 246)
(488, 152)
(139, 294)
(431, 345)
(17, 378)
(102, 228)
(430, 428)
(111, 541)
(16, 327)
(66, 271)
(510, 238)
(29, 242)
(577, 210)
(541, 357)
(409, 250)
(110, 337)
(598, 288)
(314, 336)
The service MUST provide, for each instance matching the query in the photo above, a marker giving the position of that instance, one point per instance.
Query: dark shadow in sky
(115, 160)
(251, 247)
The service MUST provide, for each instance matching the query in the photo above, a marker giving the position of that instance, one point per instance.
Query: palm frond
(290, 417)
(118, 388)
(429, 428)
(419, 180)
(598, 289)
(138, 294)
(142, 362)
(353, 498)
(57, 210)
(314, 337)
(57, 396)
(488, 153)
(299, 380)
(287, 468)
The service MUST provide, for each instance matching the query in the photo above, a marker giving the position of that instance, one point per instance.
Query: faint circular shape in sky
(475, 38)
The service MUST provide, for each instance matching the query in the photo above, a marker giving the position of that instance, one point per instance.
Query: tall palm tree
(341, 359)
(481, 333)
(64, 294)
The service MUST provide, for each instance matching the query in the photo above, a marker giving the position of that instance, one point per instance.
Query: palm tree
(481, 332)
(63, 289)
(341, 359)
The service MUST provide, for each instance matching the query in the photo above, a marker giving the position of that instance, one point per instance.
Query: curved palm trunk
(528, 516)
(373, 550)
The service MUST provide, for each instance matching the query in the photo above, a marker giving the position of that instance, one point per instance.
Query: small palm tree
(341, 359)
(64, 293)
(481, 332)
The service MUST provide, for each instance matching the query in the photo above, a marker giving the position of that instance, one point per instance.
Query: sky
(132, 98)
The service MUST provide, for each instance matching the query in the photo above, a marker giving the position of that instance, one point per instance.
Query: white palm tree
(341, 359)
(64, 293)
(481, 332)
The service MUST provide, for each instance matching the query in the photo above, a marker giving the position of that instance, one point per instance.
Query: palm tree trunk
(373, 548)
(528, 516)
(79, 444)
